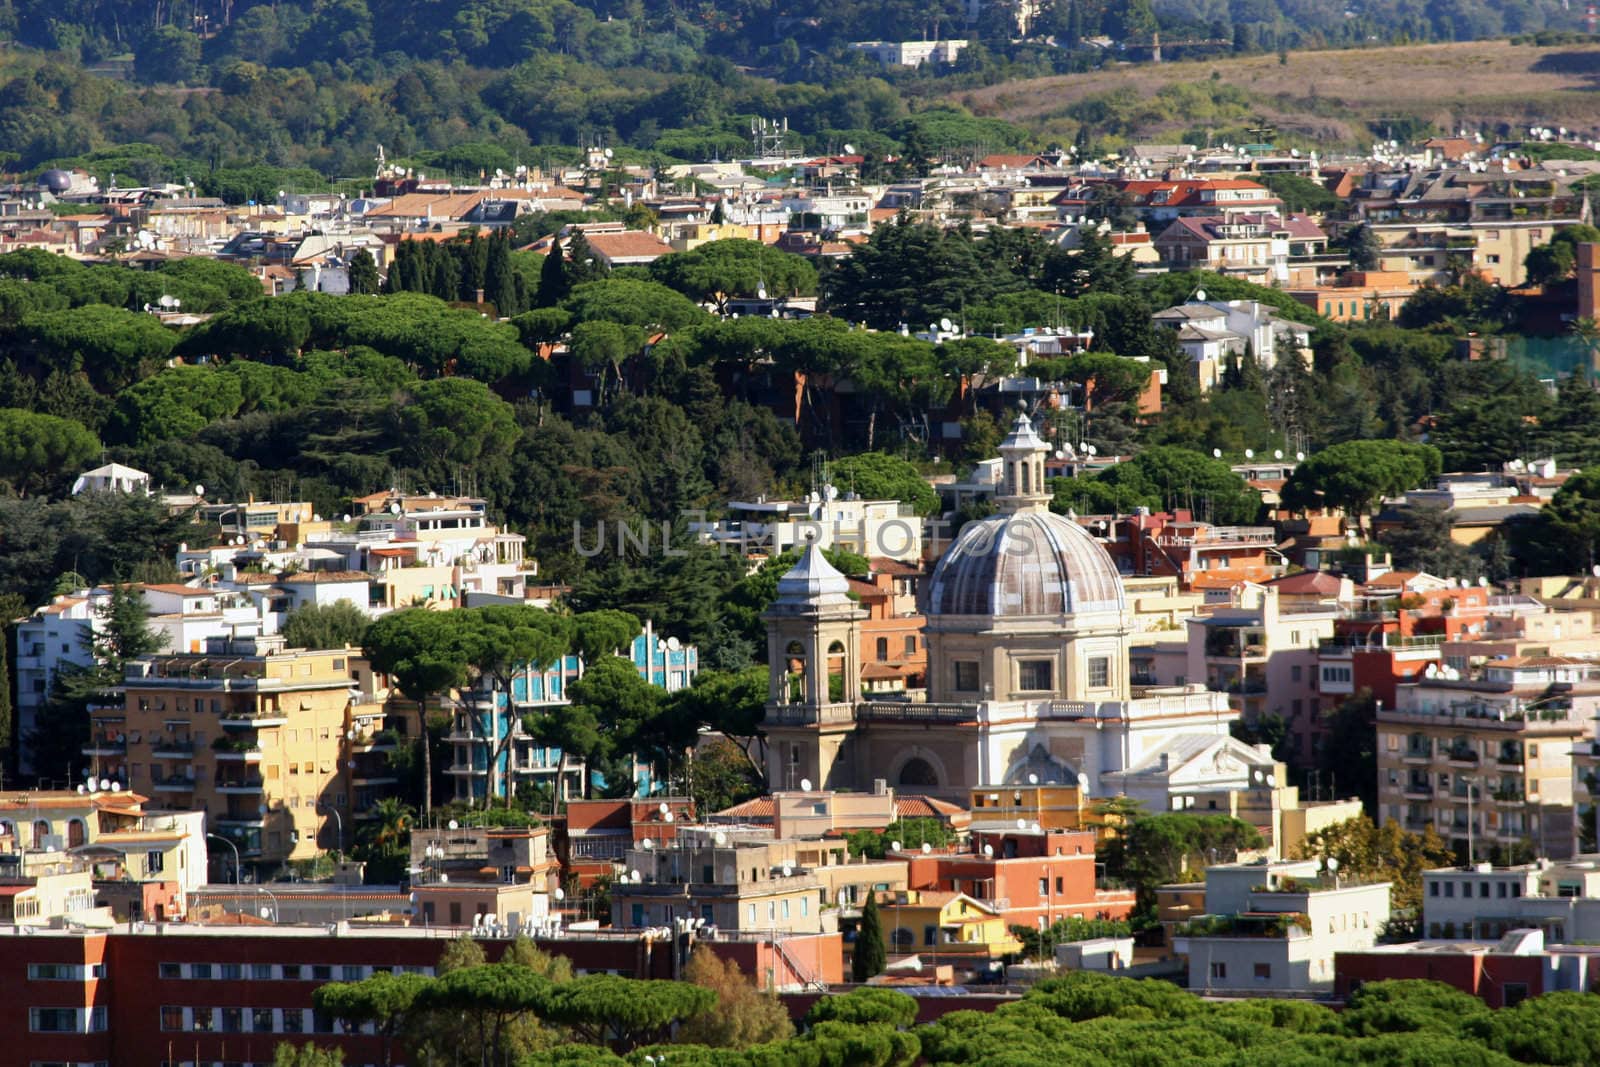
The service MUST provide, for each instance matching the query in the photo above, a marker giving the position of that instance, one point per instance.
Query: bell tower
(814, 676)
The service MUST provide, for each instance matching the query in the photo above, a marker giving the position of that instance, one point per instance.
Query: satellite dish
(1249, 453)
(894, 846)
(647, 844)
(454, 825)
(1216, 453)
(662, 807)
(1083, 781)
(988, 851)
(394, 509)
(1033, 779)
(609, 153)
(1299, 457)
(105, 783)
(1483, 582)
(199, 490)
(560, 894)
(926, 848)
(787, 870)
(116, 787)
(805, 785)
(1333, 863)
(946, 325)
(1200, 295)
(1277, 453)
(1022, 824)
(761, 292)
(345, 517)
(720, 838)
(1272, 779)
(668, 817)
(634, 877)
(849, 149)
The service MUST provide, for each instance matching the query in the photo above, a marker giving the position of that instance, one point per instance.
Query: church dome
(1025, 563)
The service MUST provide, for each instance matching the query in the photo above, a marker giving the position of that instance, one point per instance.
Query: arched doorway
(76, 833)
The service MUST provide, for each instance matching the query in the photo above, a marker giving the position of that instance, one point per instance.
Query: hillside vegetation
(1312, 98)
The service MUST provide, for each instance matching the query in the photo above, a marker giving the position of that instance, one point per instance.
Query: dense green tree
(879, 476)
(424, 654)
(384, 1000)
(624, 1013)
(337, 625)
(1355, 476)
(38, 452)
(363, 269)
(719, 270)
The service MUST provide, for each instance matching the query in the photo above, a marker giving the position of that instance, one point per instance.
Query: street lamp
(331, 810)
(235, 848)
(276, 913)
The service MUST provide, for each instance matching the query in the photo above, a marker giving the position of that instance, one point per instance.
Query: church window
(1035, 674)
(1099, 671)
(966, 679)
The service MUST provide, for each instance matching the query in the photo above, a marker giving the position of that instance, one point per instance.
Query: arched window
(76, 834)
(41, 830)
(883, 649)
(919, 772)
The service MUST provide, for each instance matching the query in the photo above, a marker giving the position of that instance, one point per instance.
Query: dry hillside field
(1331, 96)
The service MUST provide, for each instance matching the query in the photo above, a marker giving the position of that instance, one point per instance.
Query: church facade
(1028, 631)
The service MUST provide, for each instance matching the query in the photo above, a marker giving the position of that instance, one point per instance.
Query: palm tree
(393, 828)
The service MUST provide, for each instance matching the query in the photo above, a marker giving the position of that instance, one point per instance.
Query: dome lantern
(1022, 455)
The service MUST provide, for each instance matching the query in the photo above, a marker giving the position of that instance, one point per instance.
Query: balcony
(820, 715)
(1509, 759)
(897, 711)
(172, 784)
(172, 748)
(1417, 823)
(1510, 796)
(1424, 754)
(105, 746)
(1417, 790)
(235, 721)
(1462, 757)
(240, 786)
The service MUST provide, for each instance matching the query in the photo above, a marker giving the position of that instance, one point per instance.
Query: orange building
(1359, 295)
(892, 654)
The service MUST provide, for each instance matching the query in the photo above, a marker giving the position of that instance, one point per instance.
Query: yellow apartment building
(1490, 759)
(944, 924)
(276, 745)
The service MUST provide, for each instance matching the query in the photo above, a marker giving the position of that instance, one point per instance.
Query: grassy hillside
(1315, 98)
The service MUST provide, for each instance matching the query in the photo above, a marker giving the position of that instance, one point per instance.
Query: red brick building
(186, 995)
(1028, 875)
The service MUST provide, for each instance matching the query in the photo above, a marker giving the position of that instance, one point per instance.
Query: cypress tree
(553, 280)
(499, 279)
(870, 957)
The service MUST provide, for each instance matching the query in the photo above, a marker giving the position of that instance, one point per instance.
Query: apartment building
(1265, 657)
(1486, 758)
(62, 634)
(1276, 927)
(269, 741)
(168, 993)
(492, 753)
(726, 878)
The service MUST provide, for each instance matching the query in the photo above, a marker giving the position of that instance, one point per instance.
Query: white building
(1276, 927)
(1028, 632)
(1486, 902)
(112, 478)
(911, 53)
(1209, 331)
(827, 519)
